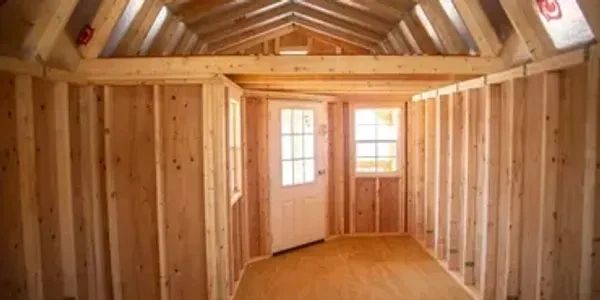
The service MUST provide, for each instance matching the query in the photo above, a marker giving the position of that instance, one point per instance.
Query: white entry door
(297, 164)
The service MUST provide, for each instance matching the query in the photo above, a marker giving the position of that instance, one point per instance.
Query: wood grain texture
(389, 190)
(441, 177)
(12, 260)
(47, 187)
(571, 166)
(365, 193)
(131, 133)
(184, 206)
(430, 173)
(257, 174)
(455, 187)
(351, 268)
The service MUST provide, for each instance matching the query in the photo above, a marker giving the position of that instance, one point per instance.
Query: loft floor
(351, 268)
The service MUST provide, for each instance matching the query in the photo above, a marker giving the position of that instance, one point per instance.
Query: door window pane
(287, 171)
(297, 146)
(286, 147)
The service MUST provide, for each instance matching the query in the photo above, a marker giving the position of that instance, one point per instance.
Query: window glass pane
(309, 170)
(297, 121)
(286, 121)
(386, 164)
(365, 150)
(309, 146)
(298, 147)
(365, 165)
(386, 149)
(365, 133)
(386, 132)
(365, 116)
(565, 23)
(298, 172)
(376, 144)
(287, 173)
(286, 147)
(385, 116)
(309, 121)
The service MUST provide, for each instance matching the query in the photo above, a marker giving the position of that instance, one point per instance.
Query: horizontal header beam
(198, 66)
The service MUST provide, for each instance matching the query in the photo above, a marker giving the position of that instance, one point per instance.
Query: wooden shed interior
(299, 149)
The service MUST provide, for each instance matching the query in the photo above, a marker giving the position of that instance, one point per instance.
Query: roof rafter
(341, 35)
(393, 9)
(213, 22)
(49, 23)
(349, 14)
(449, 36)
(248, 24)
(397, 40)
(247, 36)
(336, 23)
(103, 23)
(480, 27)
(187, 43)
(132, 41)
(270, 35)
(331, 40)
(527, 24)
(416, 30)
(194, 11)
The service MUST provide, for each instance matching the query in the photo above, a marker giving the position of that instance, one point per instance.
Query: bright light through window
(297, 146)
(376, 136)
(565, 23)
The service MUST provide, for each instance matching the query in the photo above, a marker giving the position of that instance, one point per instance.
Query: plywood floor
(351, 268)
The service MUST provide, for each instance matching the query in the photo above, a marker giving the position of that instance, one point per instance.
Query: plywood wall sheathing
(184, 212)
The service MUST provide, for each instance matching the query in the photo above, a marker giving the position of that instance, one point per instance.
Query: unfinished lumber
(528, 26)
(430, 173)
(104, 21)
(504, 241)
(48, 22)
(470, 185)
(27, 186)
(12, 271)
(480, 27)
(64, 192)
(184, 207)
(455, 187)
(492, 116)
(441, 177)
(95, 218)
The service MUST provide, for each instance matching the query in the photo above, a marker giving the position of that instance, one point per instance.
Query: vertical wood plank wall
(102, 193)
(504, 170)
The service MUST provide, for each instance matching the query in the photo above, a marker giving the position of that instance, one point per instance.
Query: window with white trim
(376, 140)
(297, 146)
(234, 147)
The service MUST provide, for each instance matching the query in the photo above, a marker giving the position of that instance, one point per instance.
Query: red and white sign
(550, 9)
